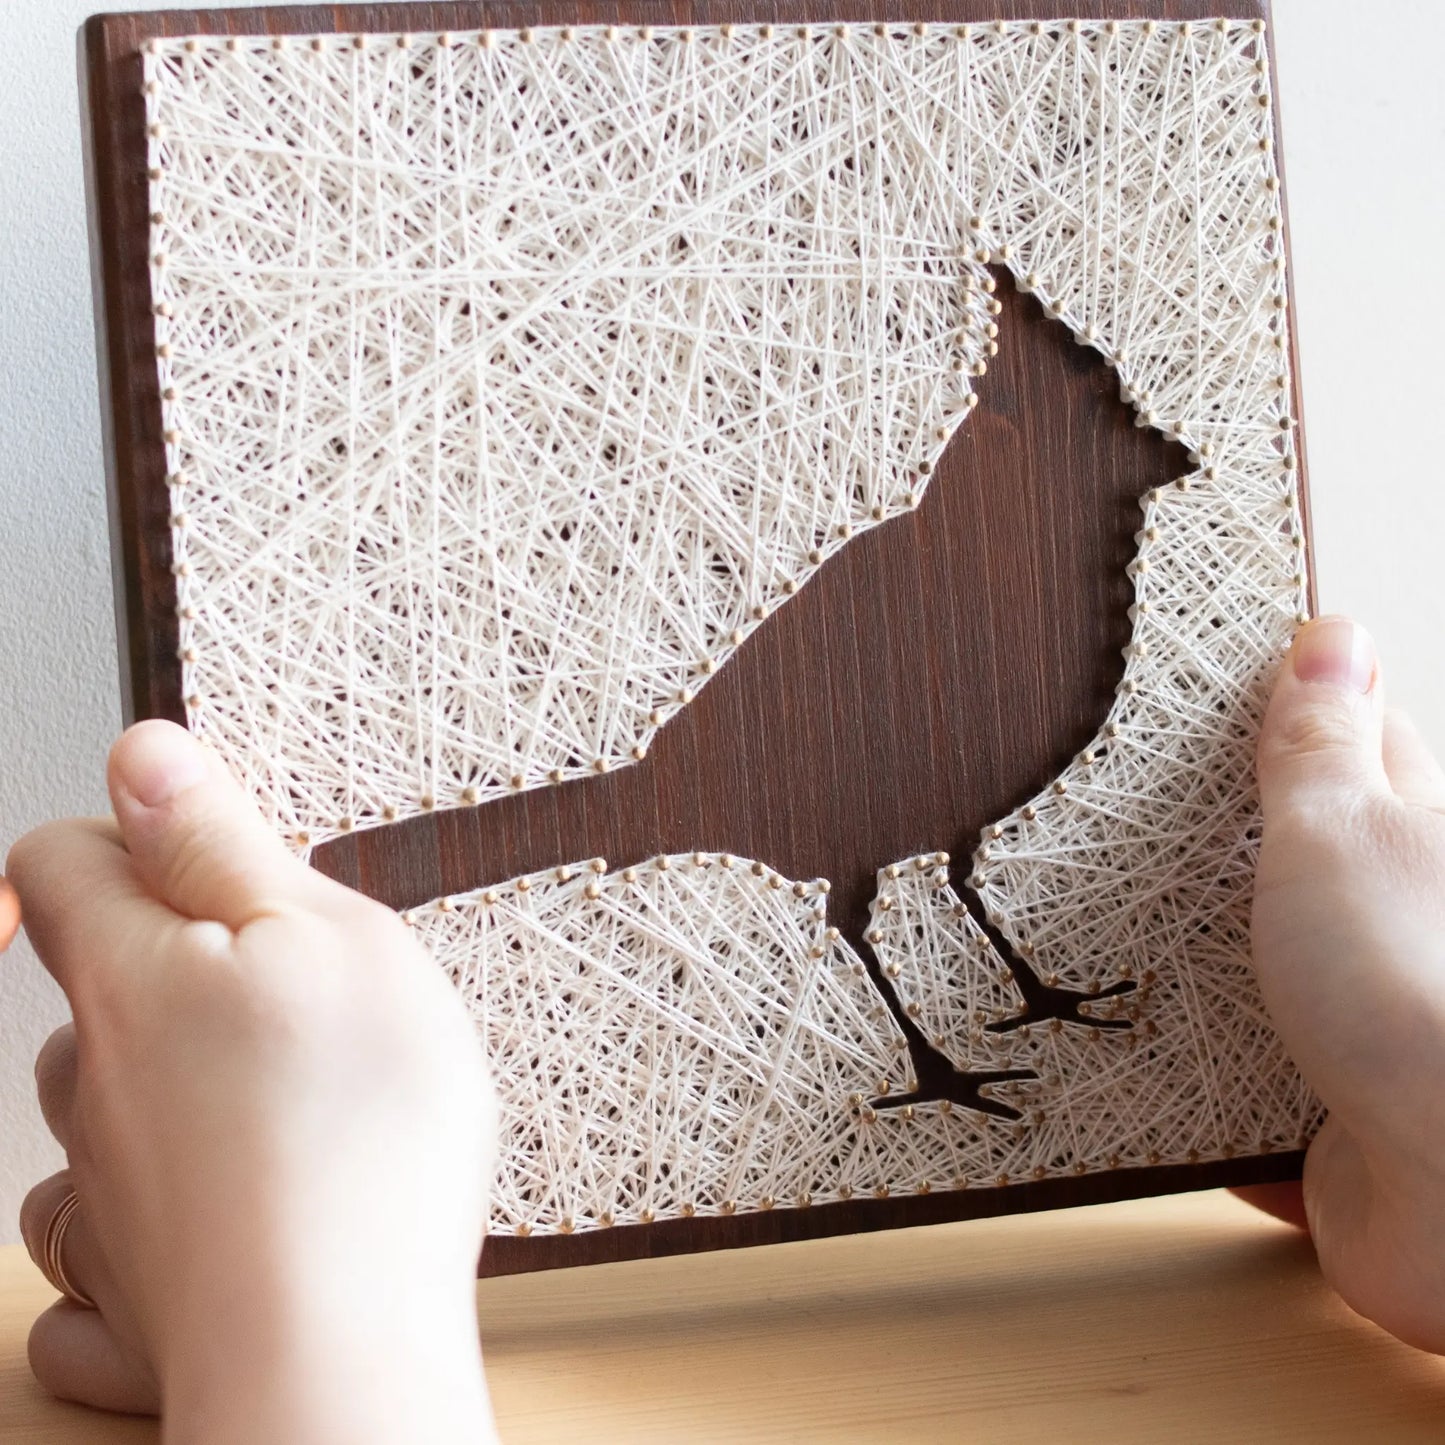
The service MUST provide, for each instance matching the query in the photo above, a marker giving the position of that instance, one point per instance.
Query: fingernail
(157, 761)
(1335, 651)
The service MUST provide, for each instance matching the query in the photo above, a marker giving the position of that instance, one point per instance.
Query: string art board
(766, 536)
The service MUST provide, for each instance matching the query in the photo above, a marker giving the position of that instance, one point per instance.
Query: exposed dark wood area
(931, 677)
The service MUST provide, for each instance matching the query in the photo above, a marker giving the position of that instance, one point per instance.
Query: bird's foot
(951, 1087)
(1047, 1002)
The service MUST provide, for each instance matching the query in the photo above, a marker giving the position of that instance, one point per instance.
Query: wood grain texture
(999, 606)
(1171, 1320)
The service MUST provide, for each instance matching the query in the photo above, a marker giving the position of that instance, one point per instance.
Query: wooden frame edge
(510, 1255)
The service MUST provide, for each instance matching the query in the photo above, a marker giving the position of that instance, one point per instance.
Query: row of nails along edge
(682, 34)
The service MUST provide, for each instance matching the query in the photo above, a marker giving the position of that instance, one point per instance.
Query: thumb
(194, 837)
(1321, 738)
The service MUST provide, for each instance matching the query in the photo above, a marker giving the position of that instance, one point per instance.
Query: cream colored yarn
(688, 1035)
(510, 379)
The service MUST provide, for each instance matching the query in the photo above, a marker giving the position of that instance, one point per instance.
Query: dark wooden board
(1002, 602)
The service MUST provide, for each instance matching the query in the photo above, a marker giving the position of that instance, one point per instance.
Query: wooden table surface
(1182, 1319)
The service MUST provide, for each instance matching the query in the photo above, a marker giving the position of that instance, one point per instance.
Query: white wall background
(1364, 123)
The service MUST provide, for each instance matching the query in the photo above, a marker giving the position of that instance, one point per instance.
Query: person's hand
(278, 1124)
(1349, 944)
(9, 915)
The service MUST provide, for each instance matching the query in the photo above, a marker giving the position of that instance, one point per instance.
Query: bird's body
(929, 679)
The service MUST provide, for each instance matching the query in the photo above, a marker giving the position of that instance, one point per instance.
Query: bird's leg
(934, 1077)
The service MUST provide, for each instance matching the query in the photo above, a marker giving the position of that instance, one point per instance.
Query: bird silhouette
(933, 675)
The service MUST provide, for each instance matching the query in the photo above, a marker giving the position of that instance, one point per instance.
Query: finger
(80, 1259)
(196, 840)
(1410, 765)
(83, 903)
(76, 1356)
(55, 1069)
(1320, 745)
(9, 914)
(38, 1209)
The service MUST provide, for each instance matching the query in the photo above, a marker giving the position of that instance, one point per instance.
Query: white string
(512, 379)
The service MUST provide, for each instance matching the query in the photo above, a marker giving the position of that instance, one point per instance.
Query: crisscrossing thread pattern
(512, 378)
